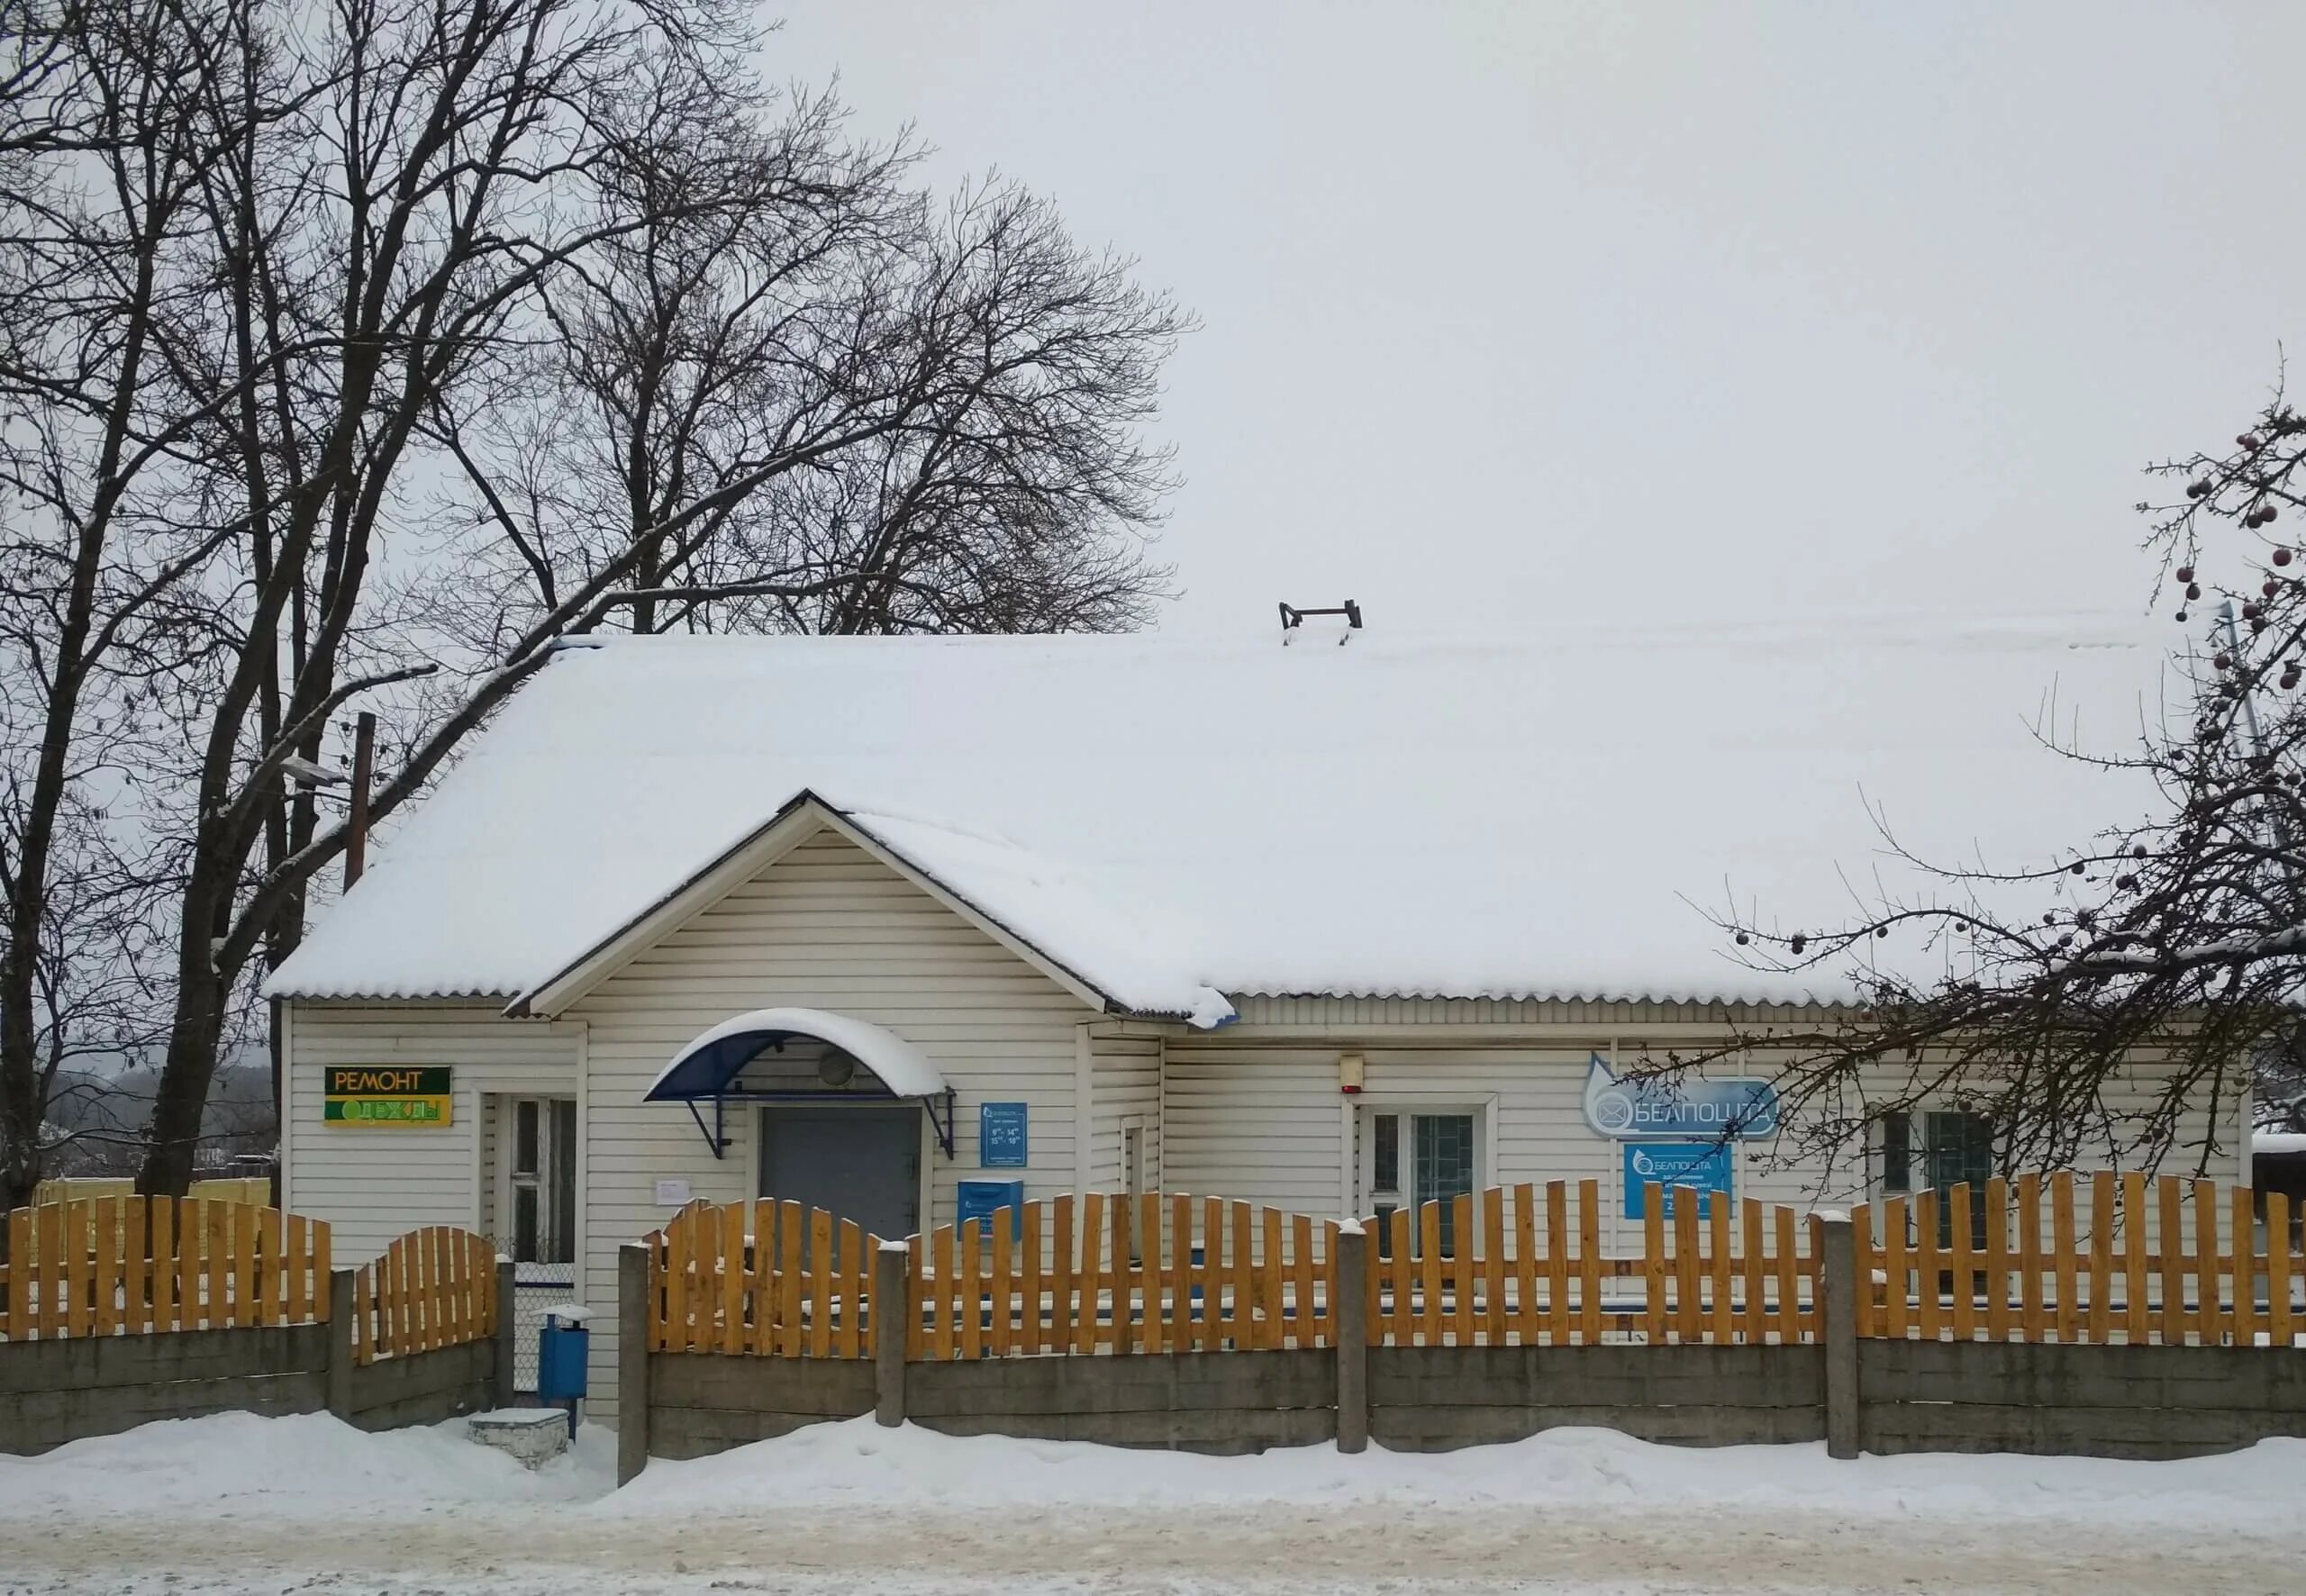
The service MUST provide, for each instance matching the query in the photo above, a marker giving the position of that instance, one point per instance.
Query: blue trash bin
(563, 1348)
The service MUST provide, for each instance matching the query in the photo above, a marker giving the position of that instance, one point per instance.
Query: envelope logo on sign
(1742, 1106)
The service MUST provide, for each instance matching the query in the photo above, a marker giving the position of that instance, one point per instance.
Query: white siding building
(1324, 927)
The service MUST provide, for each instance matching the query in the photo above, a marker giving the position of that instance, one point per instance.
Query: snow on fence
(137, 1265)
(431, 1288)
(766, 1277)
(1999, 1263)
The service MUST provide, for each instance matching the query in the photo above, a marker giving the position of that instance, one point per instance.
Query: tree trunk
(173, 1140)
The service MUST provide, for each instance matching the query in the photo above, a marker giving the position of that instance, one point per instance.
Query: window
(1411, 1158)
(1956, 1149)
(1132, 1174)
(1959, 1149)
(1897, 1152)
(541, 1169)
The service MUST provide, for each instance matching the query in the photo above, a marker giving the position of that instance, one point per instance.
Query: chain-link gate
(535, 1288)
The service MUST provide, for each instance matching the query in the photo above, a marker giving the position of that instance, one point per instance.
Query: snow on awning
(706, 1068)
(710, 1062)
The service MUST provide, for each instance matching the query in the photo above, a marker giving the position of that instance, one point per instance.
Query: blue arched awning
(708, 1065)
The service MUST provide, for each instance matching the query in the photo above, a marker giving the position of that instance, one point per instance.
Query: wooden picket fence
(1534, 1273)
(1509, 1267)
(431, 1288)
(763, 1277)
(139, 1266)
(2022, 1260)
(1160, 1273)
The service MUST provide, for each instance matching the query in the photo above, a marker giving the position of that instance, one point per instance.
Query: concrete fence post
(1349, 1327)
(632, 1360)
(1837, 1335)
(891, 1313)
(508, 1332)
(340, 1343)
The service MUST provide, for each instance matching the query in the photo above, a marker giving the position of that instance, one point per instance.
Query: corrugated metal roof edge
(1363, 993)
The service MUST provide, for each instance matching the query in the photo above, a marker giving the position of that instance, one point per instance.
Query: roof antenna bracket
(1292, 618)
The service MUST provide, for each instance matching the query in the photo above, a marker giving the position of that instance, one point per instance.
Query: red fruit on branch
(2281, 556)
(2193, 590)
(2185, 573)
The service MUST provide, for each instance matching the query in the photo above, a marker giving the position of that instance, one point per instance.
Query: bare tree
(2181, 940)
(370, 351)
(103, 152)
(833, 412)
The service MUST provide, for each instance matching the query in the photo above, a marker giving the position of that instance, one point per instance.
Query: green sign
(378, 1094)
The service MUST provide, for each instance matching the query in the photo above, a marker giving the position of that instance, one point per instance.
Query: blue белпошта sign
(1621, 1110)
(1703, 1166)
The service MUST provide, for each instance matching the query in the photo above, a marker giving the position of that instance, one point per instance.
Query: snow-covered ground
(240, 1505)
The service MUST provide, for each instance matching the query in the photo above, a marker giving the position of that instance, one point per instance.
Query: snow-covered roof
(1168, 816)
(2278, 1143)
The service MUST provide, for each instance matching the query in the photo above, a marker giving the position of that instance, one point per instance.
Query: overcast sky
(1681, 311)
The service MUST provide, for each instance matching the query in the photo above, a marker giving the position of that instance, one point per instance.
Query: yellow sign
(373, 1094)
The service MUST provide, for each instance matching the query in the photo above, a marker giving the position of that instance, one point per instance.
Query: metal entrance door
(861, 1164)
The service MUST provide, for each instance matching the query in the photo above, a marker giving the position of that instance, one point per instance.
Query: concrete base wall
(700, 1404)
(2103, 1401)
(1435, 1398)
(55, 1392)
(2098, 1401)
(424, 1387)
(1223, 1402)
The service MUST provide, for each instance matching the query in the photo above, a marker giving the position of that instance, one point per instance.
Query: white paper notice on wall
(671, 1193)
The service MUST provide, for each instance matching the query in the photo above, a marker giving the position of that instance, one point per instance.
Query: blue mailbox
(563, 1347)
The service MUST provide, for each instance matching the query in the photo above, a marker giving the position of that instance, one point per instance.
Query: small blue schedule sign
(1001, 1140)
(1705, 1166)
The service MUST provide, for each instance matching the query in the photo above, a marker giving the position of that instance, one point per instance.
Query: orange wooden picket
(2029, 1259)
(1111, 1274)
(431, 1288)
(766, 1277)
(2096, 1258)
(140, 1265)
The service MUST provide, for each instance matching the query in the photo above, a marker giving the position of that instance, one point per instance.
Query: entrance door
(1412, 1158)
(861, 1164)
(541, 1180)
(535, 1213)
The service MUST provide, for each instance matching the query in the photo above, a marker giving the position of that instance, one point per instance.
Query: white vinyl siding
(1125, 1090)
(372, 1185)
(827, 926)
(1264, 1123)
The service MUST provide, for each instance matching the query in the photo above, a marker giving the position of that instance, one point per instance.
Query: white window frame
(1359, 1151)
(552, 1157)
